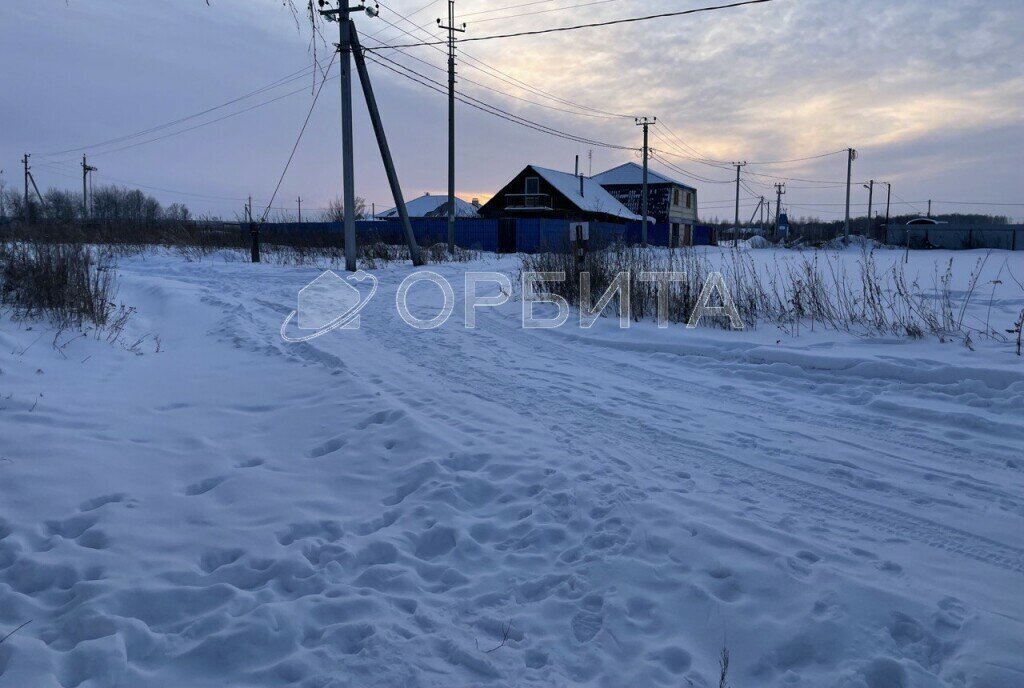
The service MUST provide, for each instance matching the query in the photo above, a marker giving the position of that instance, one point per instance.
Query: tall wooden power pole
(888, 201)
(451, 29)
(349, 48)
(86, 169)
(851, 156)
(736, 223)
(299, 200)
(644, 122)
(24, 161)
(780, 190)
(870, 186)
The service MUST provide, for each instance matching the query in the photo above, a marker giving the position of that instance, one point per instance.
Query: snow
(505, 507)
(429, 205)
(631, 173)
(594, 199)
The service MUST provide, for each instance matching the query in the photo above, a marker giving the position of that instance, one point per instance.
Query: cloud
(928, 90)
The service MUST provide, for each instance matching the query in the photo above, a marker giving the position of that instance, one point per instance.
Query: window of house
(689, 199)
(675, 196)
(533, 185)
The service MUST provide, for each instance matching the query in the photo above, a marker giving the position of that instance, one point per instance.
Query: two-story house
(668, 201)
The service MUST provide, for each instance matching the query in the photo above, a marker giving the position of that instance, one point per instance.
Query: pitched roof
(631, 173)
(429, 205)
(594, 199)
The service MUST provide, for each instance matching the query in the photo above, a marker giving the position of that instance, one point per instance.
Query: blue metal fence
(480, 234)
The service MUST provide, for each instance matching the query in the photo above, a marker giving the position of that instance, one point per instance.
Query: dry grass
(71, 285)
(815, 289)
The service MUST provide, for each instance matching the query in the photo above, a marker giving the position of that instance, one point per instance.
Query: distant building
(668, 201)
(538, 192)
(429, 205)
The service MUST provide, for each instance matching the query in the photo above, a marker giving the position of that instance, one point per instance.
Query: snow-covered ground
(505, 507)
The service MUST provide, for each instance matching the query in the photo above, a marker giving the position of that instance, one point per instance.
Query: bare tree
(335, 211)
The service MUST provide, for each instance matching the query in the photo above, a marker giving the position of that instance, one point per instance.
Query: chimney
(476, 202)
(577, 165)
(581, 184)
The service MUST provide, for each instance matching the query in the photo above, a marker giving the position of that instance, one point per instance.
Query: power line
(699, 157)
(612, 22)
(507, 7)
(423, 80)
(493, 72)
(298, 139)
(809, 157)
(506, 94)
(687, 173)
(553, 9)
(198, 126)
(294, 76)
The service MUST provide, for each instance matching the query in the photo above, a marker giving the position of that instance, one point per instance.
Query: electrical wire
(424, 80)
(298, 139)
(491, 71)
(507, 95)
(611, 22)
(536, 12)
(294, 76)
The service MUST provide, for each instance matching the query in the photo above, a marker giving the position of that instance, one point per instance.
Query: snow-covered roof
(594, 199)
(631, 173)
(429, 205)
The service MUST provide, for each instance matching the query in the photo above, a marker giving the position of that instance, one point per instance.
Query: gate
(506, 236)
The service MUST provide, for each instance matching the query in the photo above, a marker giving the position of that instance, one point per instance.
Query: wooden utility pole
(350, 48)
(851, 156)
(24, 161)
(299, 199)
(736, 222)
(451, 29)
(888, 201)
(86, 169)
(644, 122)
(254, 233)
(870, 186)
(780, 190)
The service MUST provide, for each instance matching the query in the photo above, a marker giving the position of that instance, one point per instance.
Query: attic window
(675, 196)
(689, 199)
(533, 185)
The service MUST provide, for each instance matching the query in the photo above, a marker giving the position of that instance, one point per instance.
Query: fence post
(254, 235)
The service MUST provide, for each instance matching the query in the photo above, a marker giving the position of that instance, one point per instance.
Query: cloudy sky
(930, 92)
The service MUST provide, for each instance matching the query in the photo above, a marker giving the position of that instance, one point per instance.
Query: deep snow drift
(506, 507)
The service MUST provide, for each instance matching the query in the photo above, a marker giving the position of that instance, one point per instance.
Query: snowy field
(506, 507)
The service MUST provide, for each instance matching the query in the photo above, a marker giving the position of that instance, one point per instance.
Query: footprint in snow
(204, 486)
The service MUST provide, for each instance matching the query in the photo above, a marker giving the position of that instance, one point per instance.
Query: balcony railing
(527, 201)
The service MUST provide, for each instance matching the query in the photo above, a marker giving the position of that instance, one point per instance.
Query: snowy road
(500, 506)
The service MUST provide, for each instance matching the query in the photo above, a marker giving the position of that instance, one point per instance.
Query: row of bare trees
(109, 204)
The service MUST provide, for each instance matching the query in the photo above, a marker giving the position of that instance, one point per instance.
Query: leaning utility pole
(86, 169)
(851, 156)
(736, 224)
(451, 29)
(350, 48)
(644, 122)
(780, 190)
